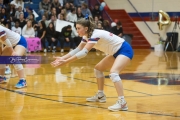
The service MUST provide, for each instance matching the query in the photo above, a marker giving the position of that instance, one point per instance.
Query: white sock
(121, 98)
(22, 78)
(100, 92)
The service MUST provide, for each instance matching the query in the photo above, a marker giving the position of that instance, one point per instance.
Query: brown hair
(89, 22)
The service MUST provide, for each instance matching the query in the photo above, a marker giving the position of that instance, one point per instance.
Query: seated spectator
(96, 20)
(117, 30)
(67, 7)
(11, 10)
(78, 3)
(22, 21)
(61, 16)
(66, 37)
(57, 5)
(99, 25)
(96, 11)
(53, 12)
(51, 37)
(79, 13)
(52, 20)
(19, 3)
(85, 10)
(106, 25)
(4, 16)
(44, 7)
(16, 28)
(75, 36)
(18, 12)
(71, 16)
(34, 22)
(28, 30)
(45, 20)
(41, 33)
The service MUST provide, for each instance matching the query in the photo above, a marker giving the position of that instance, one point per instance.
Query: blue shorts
(125, 50)
(22, 42)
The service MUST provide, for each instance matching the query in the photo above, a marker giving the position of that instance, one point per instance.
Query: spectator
(96, 11)
(51, 37)
(79, 13)
(41, 32)
(28, 30)
(78, 3)
(96, 20)
(34, 22)
(99, 25)
(117, 30)
(4, 16)
(53, 12)
(71, 16)
(45, 20)
(85, 10)
(19, 3)
(22, 21)
(18, 12)
(66, 37)
(61, 16)
(52, 20)
(57, 5)
(44, 7)
(12, 9)
(106, 25)
(67, 7)
(16, 28)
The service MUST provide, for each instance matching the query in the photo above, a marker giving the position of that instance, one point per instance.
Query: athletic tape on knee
(98, 74)
(114, 77)
(18, 67)
(2, 66)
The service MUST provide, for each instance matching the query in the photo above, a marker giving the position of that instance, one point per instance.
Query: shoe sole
(115, 110)
(20, 87)
(101, 101)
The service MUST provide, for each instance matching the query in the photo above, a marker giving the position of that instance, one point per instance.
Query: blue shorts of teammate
(125, 50)
(22, 42)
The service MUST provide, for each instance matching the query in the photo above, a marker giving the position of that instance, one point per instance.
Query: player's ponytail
(87, 22)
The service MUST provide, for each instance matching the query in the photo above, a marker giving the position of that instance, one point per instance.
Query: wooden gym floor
(151, 85)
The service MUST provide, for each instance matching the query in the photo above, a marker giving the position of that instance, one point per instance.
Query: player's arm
(7, 42)
(73, 52)
(82, 53)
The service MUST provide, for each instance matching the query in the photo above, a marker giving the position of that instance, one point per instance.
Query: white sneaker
(62, 50)
(119, 106)
(97, 98)
(8, 71)
(45, 50)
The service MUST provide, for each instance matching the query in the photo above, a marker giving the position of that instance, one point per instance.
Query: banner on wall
(61, 23)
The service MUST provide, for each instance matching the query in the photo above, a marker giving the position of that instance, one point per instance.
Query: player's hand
(56, 60)
(14, 53)
(59, 63)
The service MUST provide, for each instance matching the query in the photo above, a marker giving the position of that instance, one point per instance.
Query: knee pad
(98, 74)
(18, 67)
(2, 66)
(114, 77)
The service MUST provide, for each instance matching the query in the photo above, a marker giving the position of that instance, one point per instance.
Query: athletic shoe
(21, 84)
(97, 98)
(119, 106)
(8, 71)
(3, 80)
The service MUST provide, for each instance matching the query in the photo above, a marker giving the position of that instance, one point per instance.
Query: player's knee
(114, 77)
(98, 74)
(18, 67)
(2, 66)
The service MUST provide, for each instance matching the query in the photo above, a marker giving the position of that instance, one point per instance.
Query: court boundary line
(149, 113)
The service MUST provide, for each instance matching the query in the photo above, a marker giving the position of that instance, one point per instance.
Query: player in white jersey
(119, 55)
(15, 45)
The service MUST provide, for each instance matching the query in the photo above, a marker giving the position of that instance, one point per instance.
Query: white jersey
(13, 37)
(105, 41)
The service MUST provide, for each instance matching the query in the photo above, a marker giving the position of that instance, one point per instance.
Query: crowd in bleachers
(22, 20)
